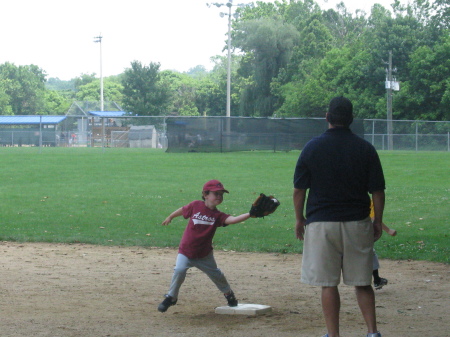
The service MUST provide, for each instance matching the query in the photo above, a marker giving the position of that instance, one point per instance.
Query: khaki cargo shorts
(334, 248)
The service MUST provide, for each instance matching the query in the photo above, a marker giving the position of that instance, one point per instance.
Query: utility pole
(389, 105)
(391, 85)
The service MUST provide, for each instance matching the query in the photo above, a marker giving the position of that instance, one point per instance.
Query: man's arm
(378, 198)
(299, 198)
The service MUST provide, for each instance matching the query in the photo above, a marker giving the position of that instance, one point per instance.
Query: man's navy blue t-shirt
(339, 168)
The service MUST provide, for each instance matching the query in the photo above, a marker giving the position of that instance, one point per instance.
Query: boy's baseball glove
(263, 205)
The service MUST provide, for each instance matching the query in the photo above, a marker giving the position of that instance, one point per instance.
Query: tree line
(289, 59)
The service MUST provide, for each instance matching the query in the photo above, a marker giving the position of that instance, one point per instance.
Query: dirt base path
(84, 290)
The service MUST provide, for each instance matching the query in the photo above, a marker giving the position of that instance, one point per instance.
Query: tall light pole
(98, 39)
(229, 4)
(229, 62)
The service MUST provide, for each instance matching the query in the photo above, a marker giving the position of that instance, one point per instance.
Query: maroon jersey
(198, 235)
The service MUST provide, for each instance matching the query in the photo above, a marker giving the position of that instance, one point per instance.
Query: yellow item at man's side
(372, 211)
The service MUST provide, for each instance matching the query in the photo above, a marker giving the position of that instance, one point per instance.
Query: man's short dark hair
(340, 112)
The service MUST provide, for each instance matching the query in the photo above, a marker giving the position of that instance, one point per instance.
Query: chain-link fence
(221, 134)
(409, 135)
(217, 134)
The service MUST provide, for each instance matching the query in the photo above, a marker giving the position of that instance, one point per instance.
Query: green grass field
(121, 196)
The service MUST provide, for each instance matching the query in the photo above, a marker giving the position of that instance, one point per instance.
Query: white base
(244, 309)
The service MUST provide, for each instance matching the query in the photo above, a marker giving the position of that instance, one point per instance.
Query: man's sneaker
(232, 301)
(168, 301)
(378, 285)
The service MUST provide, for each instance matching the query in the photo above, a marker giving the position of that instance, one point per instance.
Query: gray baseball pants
(376, 264)
(207, 265)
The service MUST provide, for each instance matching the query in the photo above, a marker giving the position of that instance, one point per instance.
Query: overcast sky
(58, 36)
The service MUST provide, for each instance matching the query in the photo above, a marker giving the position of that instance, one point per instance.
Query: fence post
(103, 134)
(40, 133)
(373, 132)
(221, 135)
(417, 137)
(275, 143)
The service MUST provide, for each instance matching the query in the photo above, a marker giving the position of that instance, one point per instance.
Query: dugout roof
(31, 120)
(107, 114)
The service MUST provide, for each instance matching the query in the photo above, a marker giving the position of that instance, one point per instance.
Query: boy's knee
(180, 271)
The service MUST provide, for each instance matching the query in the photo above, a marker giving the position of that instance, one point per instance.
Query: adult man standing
(340, 169)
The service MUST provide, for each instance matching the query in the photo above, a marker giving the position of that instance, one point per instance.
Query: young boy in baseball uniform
(196, 248)
(379, 282)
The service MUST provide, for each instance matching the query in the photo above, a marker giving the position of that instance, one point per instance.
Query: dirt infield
(84, 290)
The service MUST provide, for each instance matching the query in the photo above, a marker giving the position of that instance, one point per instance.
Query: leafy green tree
(210, 97)
(300, 14)
(55, 103)
(402, 34)
(262, 10)
(198, 92)
(345, 27)
(60, 85)
(357, 68)
(197, 72)
(25, 87)
(442, 8)
(5, 106)
(144, 92)
(349, 71)
(315, 40)
(268, 44)
(213, 89)
(91, 91)
(183, 89)
(408, 32)
(308, 97)
(426, 95)
(83, 79)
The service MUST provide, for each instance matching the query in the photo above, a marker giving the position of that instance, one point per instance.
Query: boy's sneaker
(379, 284)
(168, 301)
(232, 301)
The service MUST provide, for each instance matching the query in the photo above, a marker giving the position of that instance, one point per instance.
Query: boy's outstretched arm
(174, 214)
(236, 219)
